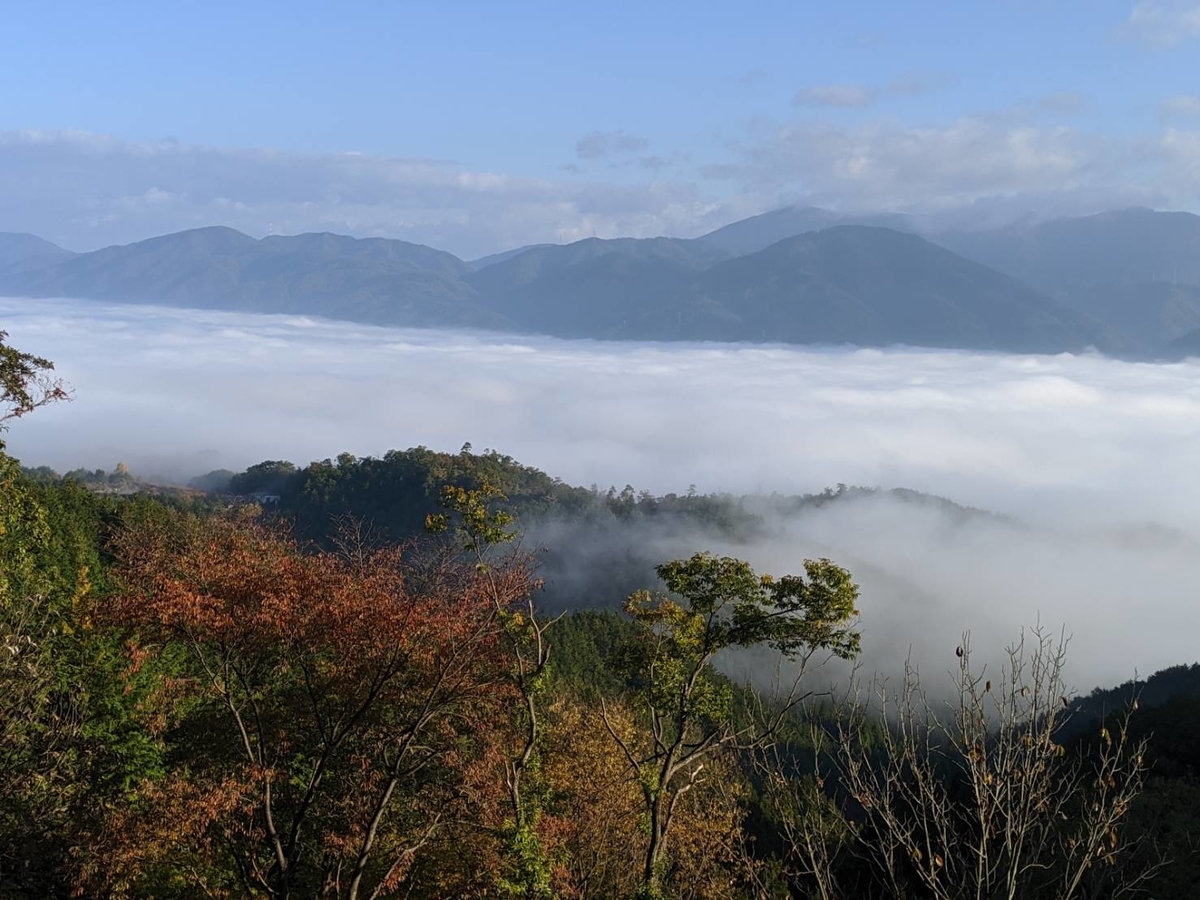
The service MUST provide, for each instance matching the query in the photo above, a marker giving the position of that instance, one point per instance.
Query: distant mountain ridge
(1123, 282)
(20, 250)
(871, 285)
(372, 280)
(1068, 257)
(759, 232)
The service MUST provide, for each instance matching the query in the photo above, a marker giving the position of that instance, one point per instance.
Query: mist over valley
(1060, 463)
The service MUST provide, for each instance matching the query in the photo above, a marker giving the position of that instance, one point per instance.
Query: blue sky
(477, 126)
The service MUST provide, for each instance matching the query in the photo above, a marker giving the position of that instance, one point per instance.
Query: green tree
(26, 383)
(268, 476)
(715, 604)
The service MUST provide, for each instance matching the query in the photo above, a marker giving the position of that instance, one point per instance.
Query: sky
(1092, 459)
(480, 126)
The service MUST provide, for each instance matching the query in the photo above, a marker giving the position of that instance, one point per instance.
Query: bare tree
(974, 796)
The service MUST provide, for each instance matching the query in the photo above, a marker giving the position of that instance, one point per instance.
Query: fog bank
(1083, 451)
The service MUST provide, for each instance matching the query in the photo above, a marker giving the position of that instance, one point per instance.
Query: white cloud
(1183, 149)
(908, 84)
(983, 424)
(851, 95)
(1083, 450)
(1065, 103)
(87, 190)
(600, 144)
(1165, 23)
(1180, 106)
(887, 164)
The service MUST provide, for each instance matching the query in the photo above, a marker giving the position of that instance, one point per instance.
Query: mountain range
(1124, 282)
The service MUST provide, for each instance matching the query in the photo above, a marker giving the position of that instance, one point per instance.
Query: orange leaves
(346, 691)
(170, 826)
(240, 585)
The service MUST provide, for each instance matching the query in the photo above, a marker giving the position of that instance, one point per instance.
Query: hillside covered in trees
(1123, 282)
(362, 690)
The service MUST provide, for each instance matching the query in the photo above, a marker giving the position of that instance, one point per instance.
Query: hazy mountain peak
(19, 248)
(210, 238)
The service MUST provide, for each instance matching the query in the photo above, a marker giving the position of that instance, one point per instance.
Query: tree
(332, 700)
(269, 476)
(26, 383)
(977, 796)
(482, 529)
(722, 603)
(39, 721)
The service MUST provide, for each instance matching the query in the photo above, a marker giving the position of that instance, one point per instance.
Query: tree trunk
(651, 887)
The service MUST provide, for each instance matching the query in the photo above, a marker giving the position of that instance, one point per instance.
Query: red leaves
(346, 691)
(239, 583)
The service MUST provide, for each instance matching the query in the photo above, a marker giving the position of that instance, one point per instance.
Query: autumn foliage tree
(332, 702)
(486, 534)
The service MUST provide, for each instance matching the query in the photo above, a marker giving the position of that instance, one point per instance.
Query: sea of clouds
(1095, 461)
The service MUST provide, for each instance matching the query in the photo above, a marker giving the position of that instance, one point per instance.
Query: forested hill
(594, 545)
(397, 491)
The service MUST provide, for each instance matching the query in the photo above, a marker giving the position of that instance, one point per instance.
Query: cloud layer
(1165, 22)
(984, 428)
(1083, 451)
(86, 190)
(1007, 159)
(911, 84)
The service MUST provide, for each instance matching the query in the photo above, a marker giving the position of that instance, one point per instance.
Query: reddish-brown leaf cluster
(347, 691)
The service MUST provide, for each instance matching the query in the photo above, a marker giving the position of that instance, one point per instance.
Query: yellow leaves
(83, 586)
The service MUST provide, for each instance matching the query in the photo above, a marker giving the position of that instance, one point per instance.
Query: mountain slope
(21, 251)
(591, 288)
(484, 261)
(874, 286)
(1184, 347)
(369, 280)
(854, 284)
(1066, 256)
(1152, 314)
(759, 232)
